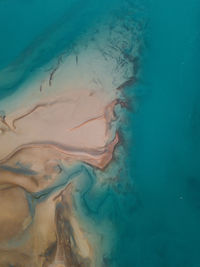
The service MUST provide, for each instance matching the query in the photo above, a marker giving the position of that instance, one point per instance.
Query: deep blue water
(158, 217)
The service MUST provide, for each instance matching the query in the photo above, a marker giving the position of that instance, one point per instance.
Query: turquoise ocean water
(157, 212)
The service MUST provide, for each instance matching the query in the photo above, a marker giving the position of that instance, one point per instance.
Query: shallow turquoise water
(157, 217)
(166, 149)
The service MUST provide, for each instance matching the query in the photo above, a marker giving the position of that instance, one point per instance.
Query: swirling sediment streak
(96, 157)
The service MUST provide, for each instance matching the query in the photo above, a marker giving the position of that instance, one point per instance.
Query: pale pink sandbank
(65, 122)
(65, 114)
(74, 126)
(79, 128)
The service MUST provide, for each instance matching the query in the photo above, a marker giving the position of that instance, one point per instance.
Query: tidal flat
(61, 148)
